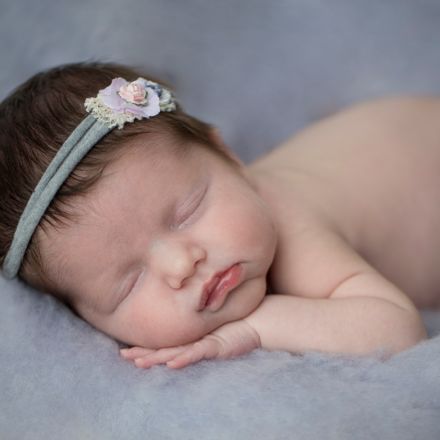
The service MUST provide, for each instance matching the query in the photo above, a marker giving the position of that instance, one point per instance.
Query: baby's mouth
(216, 290)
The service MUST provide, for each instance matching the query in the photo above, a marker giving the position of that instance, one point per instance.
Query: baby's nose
(177, 261)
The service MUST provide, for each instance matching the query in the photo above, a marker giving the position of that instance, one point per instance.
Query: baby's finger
(158, 357)
(200, 350)
(135, 352)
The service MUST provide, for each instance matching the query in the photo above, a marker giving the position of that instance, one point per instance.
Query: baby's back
(373, 172)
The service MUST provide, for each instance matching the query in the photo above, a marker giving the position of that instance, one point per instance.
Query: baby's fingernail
(123, 351)
(139, 362)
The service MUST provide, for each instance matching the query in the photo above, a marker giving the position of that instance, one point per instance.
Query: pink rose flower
(134, 92)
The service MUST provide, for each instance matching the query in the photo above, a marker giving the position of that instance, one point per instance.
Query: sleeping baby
(139, 218)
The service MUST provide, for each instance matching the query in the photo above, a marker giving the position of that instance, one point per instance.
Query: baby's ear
(217, 139)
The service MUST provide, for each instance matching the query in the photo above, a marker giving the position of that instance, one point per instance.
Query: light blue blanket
(61, 379)
(259, 70)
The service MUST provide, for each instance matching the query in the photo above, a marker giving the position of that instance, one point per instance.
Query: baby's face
(151, 235)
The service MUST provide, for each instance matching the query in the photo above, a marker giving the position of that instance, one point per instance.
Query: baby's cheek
(260, 239)
(164, 331)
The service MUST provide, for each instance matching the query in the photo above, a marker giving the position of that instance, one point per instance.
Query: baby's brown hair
(36, 119)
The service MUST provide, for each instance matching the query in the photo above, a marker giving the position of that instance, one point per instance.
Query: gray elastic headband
(77, 145)
(115, 105)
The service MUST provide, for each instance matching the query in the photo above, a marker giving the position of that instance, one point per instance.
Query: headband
(115, 105)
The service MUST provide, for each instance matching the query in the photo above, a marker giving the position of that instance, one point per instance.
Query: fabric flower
(114, 96)
(124, 101)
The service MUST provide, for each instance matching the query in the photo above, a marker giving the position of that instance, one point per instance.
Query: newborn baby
(352, 201)
(163, 239)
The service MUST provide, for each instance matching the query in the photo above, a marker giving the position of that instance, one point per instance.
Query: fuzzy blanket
(259, 70)
(60, 378)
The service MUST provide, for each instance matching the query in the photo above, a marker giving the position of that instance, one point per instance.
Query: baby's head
(136, 233)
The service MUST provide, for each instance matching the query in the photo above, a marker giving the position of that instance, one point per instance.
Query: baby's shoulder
(356, 124)
(335, 163)
(308, 240)
(312, 258)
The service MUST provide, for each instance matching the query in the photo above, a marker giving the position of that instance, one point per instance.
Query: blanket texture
(62, 379)
(260, 71)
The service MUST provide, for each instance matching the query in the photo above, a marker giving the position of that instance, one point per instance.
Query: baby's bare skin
(370, 174)
(353, 199)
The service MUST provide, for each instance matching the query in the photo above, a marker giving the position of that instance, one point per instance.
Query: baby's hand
(229, 340)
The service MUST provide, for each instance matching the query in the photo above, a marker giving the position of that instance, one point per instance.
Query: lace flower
(123, 102)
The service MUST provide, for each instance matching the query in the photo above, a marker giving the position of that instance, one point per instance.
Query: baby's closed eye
(184, 213)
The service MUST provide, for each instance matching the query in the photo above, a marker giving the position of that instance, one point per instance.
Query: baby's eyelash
(133, 283)
(188, 211)
(130, 286)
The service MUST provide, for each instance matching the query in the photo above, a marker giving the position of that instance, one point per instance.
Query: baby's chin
(240, 303)
(245, 299)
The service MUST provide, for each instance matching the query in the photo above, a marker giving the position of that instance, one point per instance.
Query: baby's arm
(354, 319)
(337, 303)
